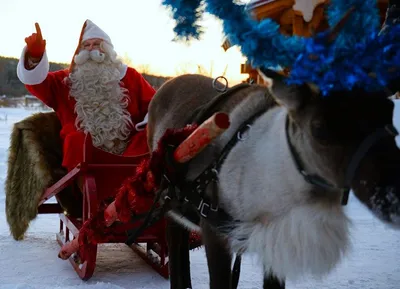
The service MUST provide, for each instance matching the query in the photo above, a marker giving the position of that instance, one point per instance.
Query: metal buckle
(202, 208)
(200, 205)
(166, 178)
(214, 209)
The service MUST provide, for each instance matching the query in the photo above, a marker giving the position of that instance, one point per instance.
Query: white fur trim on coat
(123, 70)
(35, 76)
(141, 125)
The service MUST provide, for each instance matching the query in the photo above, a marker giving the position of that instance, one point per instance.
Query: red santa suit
(52, 89)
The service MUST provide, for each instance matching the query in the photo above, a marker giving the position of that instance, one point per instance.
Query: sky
(141, 32)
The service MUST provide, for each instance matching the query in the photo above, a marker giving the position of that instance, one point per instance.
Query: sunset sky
(140, 30)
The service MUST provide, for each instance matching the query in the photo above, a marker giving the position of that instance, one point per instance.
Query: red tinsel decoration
(135, 195)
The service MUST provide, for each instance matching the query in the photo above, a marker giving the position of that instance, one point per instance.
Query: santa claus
(97, 94)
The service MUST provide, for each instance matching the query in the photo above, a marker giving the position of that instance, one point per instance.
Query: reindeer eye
(319, 130)
(317, 124)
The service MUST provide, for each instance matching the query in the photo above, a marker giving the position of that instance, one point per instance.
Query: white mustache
(85, 55)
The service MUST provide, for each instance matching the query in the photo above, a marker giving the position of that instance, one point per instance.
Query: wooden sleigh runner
(101, 174)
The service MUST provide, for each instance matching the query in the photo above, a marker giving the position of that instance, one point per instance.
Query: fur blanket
(34, 163)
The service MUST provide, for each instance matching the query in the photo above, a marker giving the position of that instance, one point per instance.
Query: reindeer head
(344, 139)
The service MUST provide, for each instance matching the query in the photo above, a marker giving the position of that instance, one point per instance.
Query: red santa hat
(89, 31)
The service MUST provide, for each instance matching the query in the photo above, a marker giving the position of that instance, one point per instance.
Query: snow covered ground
(374, 262)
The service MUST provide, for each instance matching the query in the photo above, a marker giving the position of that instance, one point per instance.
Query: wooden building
(295, 17)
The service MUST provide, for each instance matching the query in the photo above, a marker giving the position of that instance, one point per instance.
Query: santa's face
(91, 44)
(101, 103)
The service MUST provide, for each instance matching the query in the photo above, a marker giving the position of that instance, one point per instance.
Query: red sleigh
(102, 174)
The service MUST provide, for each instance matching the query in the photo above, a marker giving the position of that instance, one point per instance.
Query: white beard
(101, 103)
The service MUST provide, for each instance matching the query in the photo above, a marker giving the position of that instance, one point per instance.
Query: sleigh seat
(35, 176)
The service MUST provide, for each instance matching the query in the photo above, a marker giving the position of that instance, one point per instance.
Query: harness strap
(312, 179)
(205, 111)
(150, 218)
(194, 195)
(195, 190)
(366, 144)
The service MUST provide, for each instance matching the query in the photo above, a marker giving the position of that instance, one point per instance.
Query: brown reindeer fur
(294, 227)
(34, 163)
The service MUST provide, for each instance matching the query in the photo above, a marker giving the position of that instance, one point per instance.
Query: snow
(32, 264)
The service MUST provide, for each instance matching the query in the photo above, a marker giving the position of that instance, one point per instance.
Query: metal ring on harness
(214, 84)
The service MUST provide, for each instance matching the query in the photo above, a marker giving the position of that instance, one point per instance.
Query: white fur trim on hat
(35, 76)
(94, 31)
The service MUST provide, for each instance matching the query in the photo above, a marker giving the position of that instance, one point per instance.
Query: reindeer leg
(219, 259)
(184, 259)
(178, 253)
(271, 282)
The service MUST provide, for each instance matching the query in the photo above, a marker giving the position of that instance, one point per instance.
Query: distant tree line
(12, 87)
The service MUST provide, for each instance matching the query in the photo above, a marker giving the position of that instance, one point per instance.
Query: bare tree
(127, 60)
(202, 70)
(143, 68)
(184, 68)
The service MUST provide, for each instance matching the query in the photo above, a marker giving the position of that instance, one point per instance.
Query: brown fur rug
(34, 163)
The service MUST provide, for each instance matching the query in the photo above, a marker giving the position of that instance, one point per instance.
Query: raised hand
(35, 43)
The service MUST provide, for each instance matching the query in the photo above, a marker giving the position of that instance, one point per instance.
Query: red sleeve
(145, 92)
(46, 91)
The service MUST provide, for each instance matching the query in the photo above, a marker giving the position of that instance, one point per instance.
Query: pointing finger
(38, 31)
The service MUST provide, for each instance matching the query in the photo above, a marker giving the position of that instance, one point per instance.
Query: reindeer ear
(290, 96)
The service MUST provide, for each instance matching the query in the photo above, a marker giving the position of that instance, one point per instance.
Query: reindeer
(280, 185)
(274, 183)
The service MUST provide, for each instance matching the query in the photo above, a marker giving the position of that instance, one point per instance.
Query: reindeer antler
(336, 29)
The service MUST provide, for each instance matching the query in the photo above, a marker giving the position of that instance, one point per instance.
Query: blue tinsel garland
(261, 42)
(347, 62)
(363, 21)
(370, 64)
(186, 13)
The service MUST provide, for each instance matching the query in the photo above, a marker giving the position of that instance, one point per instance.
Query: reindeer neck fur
(281, 222)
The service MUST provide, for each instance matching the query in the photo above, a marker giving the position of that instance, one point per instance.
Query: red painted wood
(201, 137)
(102, 174)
